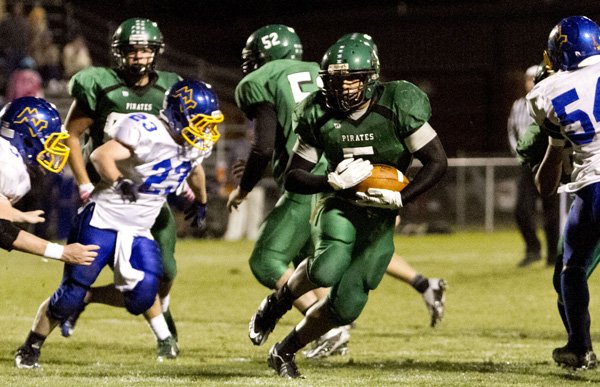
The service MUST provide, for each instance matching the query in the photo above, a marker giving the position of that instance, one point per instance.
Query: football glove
(382, 198)
(197, 214)
(349, 173)
(127, 189)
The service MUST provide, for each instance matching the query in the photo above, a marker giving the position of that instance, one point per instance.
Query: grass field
(500, 326)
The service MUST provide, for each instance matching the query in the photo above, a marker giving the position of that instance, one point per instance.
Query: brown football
(383, 177)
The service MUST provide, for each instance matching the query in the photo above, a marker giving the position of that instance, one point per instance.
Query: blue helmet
(192, 110)
(572, 40)
(33, 127)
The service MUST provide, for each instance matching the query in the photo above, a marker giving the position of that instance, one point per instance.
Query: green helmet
(349, 60)
(359, 36)
(271, 42)
(135, 33)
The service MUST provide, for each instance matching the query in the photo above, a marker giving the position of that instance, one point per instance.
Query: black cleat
(566, 358)
(27, 357)
(264, 320)
(283, 364)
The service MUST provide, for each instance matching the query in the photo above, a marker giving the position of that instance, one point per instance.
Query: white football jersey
(158, 166)
(14, 178)
(570, 100)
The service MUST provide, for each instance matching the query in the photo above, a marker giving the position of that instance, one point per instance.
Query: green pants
(164, 232)
(353, 247)
(284, 237)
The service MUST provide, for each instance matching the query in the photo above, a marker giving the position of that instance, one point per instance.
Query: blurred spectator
(527, 194)
(75, 56)
(14, 39)
(24, 81)
(43, 49)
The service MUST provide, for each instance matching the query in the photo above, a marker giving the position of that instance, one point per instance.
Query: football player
(146, 159)
(31, 142)
(354, 231)
(275, 80)
(563, 106)
(132, 85)
(433, 290)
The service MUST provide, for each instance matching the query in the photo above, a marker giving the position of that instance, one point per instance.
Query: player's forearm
(76, 161)
(435, 163)
(548, 175)
(255, 168)
(197, 182)
(300, 180)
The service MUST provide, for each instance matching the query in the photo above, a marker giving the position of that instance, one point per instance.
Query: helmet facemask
(55, 153)
(347, 90)
(135, 68)
(202, 131)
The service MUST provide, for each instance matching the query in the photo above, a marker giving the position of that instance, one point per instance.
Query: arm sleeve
(8, 234)
(300, 180)
(435, 163)
(261, 153)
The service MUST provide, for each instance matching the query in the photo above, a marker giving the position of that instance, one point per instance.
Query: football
(383, 177)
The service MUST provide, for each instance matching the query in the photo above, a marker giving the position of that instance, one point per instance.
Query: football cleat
(166, 349)
(67, 327)
(435, 298)
(334, 342)
(566, 358)
(283, 364)
(264, 320)
(27, 357)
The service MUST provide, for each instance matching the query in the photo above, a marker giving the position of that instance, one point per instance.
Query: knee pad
(268, 266)
(346, 311)
(142, 296)
(66, 300)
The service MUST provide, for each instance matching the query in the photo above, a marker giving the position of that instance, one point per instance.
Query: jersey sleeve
(249, 93)
(305, 121)
(412, 107)
(84, 88)
(531, 147)
(128, 132)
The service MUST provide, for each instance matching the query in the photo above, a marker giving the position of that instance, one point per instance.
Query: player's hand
(237, 170)
(236, 197)
(85, 191)
(78, 254)
(32, 217)
(382, 198)
(349, 173)
(197, 214)
(127, 189)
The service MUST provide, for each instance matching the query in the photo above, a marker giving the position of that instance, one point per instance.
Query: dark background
(467, 55)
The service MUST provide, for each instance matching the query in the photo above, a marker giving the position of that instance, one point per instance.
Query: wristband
(87, 187)
(557, 142)
(54, 250)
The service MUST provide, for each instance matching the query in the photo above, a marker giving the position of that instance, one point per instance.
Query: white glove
(349, 173)
(382, 198)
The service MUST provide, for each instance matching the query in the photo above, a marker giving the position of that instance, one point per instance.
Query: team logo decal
(185, 93)
(31, 116)
(561, 38)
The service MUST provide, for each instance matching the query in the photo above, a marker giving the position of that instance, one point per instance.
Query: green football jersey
(99, 91)
(282, 83)
(397, 110)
